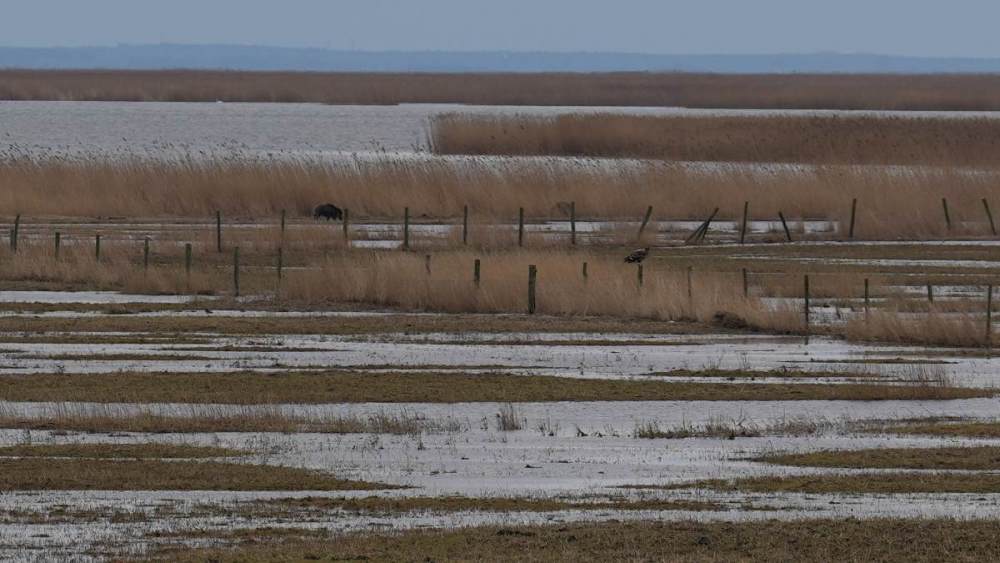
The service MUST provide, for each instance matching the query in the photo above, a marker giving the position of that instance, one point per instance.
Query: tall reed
(893, 203)
(830, 91)
(820, 139)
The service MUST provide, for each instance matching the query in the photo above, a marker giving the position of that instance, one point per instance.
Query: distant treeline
(765, 91)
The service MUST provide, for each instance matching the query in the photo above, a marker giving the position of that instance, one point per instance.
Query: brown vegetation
(35, 474)
(333, 387)
(890, 541)
(118, 451)
(817, 139)
(864, 483)
(976, 429)
(969, 458)
(892, 204)
(778, 91)
(109, 418)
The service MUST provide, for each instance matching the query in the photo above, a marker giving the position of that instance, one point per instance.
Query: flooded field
(216, 369)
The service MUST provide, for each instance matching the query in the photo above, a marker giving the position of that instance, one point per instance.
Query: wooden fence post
(867, 300)
(645, 221)
(854, 210)
(743, 225)
(784, 224)
(989, 316)
(639, 273)
(218, 231)
(58, 243)
(465, 224)
(97, 247)
(585, 274)
(187, 261)
(572, 222)
(347, 226)
(282, 224)
(476, 270)
(427, 263)
(145, 254)
(947, 216)
(689, 288)
(806, 282)
(406, 228)
(989, 215)
(520, 226)
(236, 271)
(532, 278)
(746, 284)
(15, 234)
(281, 263)
(930, 293)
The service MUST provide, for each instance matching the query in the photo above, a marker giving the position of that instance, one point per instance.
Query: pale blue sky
(898, 27)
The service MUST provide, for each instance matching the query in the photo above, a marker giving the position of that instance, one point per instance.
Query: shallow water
(171, 128)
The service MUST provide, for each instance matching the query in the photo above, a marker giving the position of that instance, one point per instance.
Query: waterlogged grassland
(334, 387)
(982, 458)
(810, 540)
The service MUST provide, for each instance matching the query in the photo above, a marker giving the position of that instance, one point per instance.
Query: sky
(965, 28)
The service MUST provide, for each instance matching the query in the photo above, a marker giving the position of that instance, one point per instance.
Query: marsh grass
(863, 483)
(732, 428)
(978, 458)
(892, 541)
(213, 418)
(47, 473)
(893, 203)
(694, 90)
(334, 387)
(817, 139)
(118, 451)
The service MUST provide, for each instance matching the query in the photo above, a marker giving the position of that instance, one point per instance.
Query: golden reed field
(761, 91)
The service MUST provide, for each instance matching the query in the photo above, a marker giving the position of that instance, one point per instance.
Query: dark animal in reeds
(328, 211)
(637, 256)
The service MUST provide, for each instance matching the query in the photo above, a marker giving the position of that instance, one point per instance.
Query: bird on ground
(637, 256)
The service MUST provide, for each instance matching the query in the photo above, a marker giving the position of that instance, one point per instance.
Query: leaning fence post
(476, 272)
(97, 247)
(236, 271)
(989, 215)
(218, 231)
(806, 281)
(854, 210)
(187, 261)
(788, 234)
(532, 277)
(947, 216)
(465, 224)
(746, 284)
(645, 221)
(572, 222)
(15, 233)
(58, 243)
(743, 225)
(406, 228)
(520, 226)
(989, 316)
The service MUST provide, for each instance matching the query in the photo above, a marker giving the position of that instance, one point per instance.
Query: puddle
(91, 297)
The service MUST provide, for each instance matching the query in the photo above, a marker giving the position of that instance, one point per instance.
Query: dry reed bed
(893, 203)
(777, 91)
(818, 139)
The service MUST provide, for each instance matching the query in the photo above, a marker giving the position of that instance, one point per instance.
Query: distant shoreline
(926, 92)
